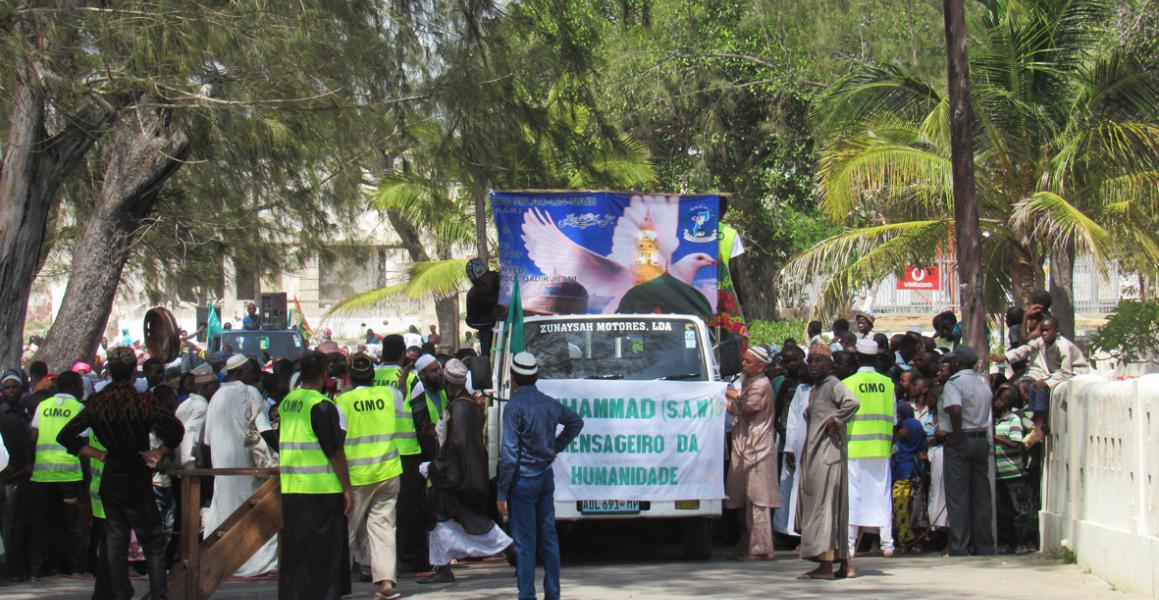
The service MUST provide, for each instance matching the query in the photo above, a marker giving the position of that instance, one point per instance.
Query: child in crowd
(1050, 360)
(908, 483)
(1014, 527)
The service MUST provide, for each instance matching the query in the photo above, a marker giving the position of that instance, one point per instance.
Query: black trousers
(1015, 526)
(17, 523)
(103, 586)
(412, 521)
(968, 505)
(58, 520)
(141, 516)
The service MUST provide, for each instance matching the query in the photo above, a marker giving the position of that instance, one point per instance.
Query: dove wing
(552, 251)
(665, 213)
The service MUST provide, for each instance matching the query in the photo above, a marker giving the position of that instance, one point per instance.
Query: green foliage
(1066, 147)
(1131, 333)
(776, 332)
(425, 281)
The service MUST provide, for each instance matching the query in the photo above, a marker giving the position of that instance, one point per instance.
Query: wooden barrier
(206, 564)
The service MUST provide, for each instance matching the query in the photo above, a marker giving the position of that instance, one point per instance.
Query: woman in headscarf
(909, 444)
(460, 486)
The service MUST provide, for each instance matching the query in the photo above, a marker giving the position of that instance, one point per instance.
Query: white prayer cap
(424, 361)
(524, 363)
(761, 354)
(236, 361)
(455, 371)
(867, 346)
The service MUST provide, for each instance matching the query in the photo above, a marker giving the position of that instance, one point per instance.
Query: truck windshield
(284, 344)
(617, 348)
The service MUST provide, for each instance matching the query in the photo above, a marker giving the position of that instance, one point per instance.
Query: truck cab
(652, 397)
(257, 343)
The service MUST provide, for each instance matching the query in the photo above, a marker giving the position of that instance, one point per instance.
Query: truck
(650, 385)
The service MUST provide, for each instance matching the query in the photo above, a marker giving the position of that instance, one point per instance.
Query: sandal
(381, 596)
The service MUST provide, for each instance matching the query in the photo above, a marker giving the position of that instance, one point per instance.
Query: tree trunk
(33, 168)
(144, 153)
(480, 194)
(754, 271)
(1062, 287)
(447, 313)
(967, 233)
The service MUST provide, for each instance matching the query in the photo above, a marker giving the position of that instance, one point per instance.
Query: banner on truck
(604, 252)
(654, 440)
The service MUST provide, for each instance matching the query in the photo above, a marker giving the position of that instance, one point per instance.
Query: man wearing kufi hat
(460, 485)
(870, 446)
(824, 516)
(752, 483)
(228, 420)
(526, 480)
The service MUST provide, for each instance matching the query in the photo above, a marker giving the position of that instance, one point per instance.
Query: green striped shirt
(1008, 461)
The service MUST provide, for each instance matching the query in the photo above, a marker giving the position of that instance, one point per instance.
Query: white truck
(650, 388)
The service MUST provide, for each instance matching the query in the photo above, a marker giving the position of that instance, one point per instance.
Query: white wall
(1101, 487)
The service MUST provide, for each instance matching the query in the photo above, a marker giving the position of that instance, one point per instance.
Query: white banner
(642, 440)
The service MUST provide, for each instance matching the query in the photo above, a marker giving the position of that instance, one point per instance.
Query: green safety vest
(371, 431)
(407, 440)
(96, 469)
(436, 411)
(304, 468)
(53, 463)
(871, 430)
(727, 240)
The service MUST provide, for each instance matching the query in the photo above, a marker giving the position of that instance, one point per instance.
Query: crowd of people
(381, 462)
(834, 442)
(895, 436)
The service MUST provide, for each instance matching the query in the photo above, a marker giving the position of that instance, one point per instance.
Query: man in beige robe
(823, 515)
(752, 480)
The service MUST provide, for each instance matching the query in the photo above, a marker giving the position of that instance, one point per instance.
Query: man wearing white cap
(526, 479)
(752, 479)
(231, 410)
(870, 445)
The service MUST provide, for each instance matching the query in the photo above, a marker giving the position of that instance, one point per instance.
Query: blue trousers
(531, 505)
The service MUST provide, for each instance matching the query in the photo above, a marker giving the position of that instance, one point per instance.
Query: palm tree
(1066, 156)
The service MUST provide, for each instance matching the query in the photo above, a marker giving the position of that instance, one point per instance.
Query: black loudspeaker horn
(162, 335)
(273, 311)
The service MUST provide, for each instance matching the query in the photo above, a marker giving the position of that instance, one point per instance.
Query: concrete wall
(1101, 487)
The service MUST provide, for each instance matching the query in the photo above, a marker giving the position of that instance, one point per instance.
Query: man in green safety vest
(57, 485)
(870, 445)
(411, 532)
(372, 435)
(316, 495)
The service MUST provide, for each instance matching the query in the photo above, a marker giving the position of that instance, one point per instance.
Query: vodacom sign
(920, 277)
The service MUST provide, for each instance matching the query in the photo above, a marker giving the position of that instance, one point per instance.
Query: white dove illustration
(612, 276)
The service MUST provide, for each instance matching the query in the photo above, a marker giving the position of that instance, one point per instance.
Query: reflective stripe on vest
(408, 442)
(53, 463)
(371, 423)
(305, 469)
(871, 430)
(96, 470)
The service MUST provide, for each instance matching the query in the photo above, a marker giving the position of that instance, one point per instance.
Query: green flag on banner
(213, 324)
(515, 319)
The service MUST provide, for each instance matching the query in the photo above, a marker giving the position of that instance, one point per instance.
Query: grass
(1066, 555)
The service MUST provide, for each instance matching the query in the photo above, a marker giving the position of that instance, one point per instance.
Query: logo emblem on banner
(701, 226)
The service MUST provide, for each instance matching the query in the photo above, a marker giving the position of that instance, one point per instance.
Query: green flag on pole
(213, 324)
(515, 319)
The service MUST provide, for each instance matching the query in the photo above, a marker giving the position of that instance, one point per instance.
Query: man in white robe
(226, 422)
(785, 519)
(870, 484)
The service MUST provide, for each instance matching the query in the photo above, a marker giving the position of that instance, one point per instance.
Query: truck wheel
(697, 539)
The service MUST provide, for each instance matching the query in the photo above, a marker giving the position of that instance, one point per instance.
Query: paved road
(629, 574)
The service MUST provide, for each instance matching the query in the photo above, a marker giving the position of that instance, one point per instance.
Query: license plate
(610, 507)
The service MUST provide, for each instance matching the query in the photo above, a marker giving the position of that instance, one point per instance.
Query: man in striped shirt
(1011, 491)
(122, 419)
